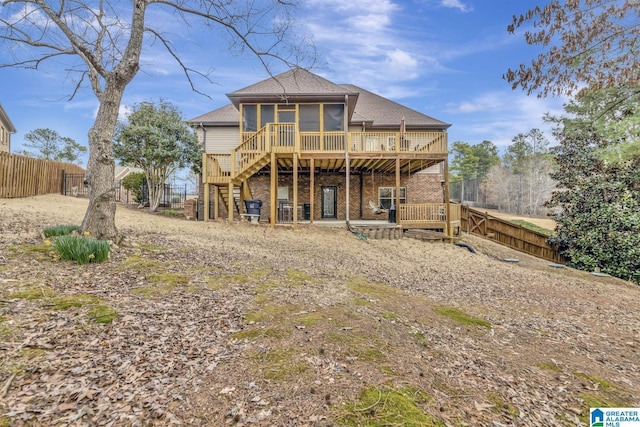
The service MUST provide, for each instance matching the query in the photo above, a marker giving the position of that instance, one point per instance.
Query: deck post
(295, 190)
(312, 190)
(232, 202)
(243, 189)
(274, 188)
(216, 202)
(397, 188)
(446, 196)
(206, 202)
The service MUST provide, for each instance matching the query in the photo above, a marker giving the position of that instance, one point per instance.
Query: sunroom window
(333, 117)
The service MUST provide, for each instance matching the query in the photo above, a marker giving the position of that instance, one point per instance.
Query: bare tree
(101, 43)
(587, 44)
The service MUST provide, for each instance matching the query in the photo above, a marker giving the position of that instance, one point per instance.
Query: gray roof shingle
(300, 84)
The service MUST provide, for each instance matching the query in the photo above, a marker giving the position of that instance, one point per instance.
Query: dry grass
(220, 323)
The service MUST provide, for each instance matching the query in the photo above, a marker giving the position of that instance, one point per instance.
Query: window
(333, 117)
(283, 193)
(387, 196)
(250, 118)
(310, 118)
(267, 115)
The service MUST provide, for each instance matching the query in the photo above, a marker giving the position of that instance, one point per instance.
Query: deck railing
(424, 213)
(285, 138)
(216, 167)
(425, 142)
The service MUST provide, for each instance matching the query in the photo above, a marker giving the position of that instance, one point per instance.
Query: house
(312, 150)
(6, 129)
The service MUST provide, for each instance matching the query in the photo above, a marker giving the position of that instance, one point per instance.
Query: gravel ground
(238, 324)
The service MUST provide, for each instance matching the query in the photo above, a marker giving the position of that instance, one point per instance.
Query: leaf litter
(245, 341)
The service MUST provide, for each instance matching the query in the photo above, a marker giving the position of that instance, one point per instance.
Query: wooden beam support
(231, 202)
(446, 197)
(274, 189)
(397, 187)
(216, 204)
(207, 187)
(295, 190)
(312, 190)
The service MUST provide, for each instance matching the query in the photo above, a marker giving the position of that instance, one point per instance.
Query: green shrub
(82, 249)
(59, 230)
(134, 182)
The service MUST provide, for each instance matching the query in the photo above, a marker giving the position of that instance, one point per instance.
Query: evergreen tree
(598, 200)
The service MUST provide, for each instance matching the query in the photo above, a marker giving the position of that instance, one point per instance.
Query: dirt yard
(212, 324)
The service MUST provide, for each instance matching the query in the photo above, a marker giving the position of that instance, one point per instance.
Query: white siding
(220, 139)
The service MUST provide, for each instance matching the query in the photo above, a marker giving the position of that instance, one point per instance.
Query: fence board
(509, 234)
(22, 176)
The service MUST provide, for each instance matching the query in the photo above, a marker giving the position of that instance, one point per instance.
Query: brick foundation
(421, 188)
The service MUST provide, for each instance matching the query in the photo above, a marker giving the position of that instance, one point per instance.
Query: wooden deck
(282, 147)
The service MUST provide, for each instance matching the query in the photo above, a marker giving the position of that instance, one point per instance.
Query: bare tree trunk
(99, 220)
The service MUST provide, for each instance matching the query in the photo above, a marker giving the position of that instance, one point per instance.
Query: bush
(59, 230)
(134, 182)
(82, 249)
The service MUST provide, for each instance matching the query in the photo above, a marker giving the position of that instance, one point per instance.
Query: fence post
(63, 183)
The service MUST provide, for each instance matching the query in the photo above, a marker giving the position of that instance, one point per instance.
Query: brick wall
(421, 188)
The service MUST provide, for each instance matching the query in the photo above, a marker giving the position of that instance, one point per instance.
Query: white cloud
(499, 116)
(457, 4)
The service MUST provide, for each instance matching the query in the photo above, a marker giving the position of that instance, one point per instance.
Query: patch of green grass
(59, 230)
(461, 317)
(82, 249)
(279, 364)
(150, 247)
(169, 279)
(222, 281)
(272, 312)
(533, 227)
(42, 248)
(140, 263)
(378, 291)
(103, 314)
(297, 277)
(363, 346)
(34, 293)
(377, 407)
(170, 212)
(387, 315)
(549, 366)
(500, 406)
(602, 383)
(69, 301)
(152, 292)
(256, 333)
(362, 302)
(310, 319)
(32, 353)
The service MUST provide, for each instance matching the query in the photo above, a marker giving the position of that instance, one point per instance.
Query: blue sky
(444, 58)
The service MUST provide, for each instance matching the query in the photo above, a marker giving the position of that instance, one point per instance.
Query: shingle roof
(224, 116)
(297, 81)
(300, 84)
(386, 113)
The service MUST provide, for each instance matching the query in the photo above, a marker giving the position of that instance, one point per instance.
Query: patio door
(329, 202)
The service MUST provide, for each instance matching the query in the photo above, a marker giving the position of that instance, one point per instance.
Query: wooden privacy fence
(508, 234)
(22, 176)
